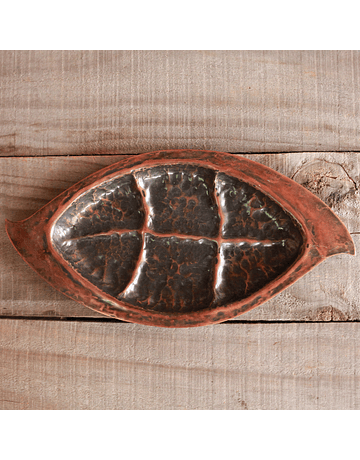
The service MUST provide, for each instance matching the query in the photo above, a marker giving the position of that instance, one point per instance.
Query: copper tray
(179, 238)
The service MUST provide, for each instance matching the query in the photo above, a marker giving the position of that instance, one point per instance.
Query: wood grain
(331, 292)
(76, 365)
(79, 102)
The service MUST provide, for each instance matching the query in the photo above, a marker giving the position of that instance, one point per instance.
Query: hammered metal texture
(177, 238)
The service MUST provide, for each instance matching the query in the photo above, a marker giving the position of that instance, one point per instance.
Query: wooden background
(66, 114)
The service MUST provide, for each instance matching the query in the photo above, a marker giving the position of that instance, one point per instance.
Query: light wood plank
(330, 292)
(77, 365)
(72, 102)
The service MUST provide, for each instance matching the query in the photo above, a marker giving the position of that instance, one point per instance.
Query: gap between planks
(86, 319)
(114, 153)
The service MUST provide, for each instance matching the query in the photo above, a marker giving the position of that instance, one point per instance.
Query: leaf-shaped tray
(179, 238)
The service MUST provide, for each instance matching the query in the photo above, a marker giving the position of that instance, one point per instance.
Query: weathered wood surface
(330, 292)
(108, 102)
(85, 365)
(76, 102)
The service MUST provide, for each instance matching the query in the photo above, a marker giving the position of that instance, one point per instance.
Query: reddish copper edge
(324, 235)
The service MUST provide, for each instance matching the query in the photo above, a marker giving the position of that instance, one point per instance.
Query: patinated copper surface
(179, 238)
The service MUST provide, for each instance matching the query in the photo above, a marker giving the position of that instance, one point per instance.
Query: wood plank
(330, 292)
(76, 102)
(77, 365)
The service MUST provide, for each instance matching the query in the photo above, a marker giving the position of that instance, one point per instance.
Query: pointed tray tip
(333, 237)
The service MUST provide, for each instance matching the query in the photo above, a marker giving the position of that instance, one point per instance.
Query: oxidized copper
(179, 238)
